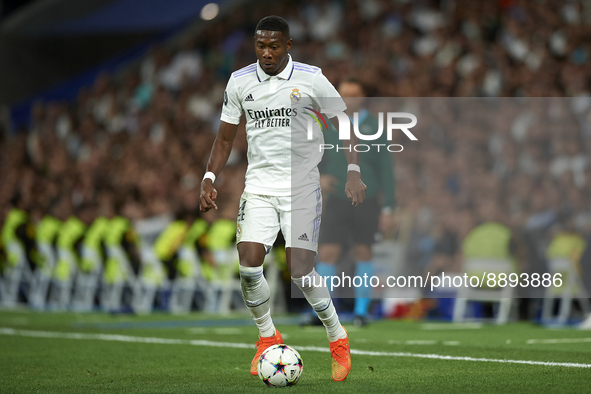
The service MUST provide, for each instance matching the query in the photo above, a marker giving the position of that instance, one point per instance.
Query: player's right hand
(355, 188)
(208, 196)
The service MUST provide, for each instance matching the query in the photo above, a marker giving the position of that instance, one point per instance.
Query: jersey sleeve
(231, 107)
(326, 95)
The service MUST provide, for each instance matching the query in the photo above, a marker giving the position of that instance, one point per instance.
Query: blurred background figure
(123, 119)
(564, 258)
(490, 248)
(345, 227)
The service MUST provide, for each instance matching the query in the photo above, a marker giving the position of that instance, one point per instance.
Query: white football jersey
(277, 160)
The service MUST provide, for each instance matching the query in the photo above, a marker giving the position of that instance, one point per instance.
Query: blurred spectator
(137, 144)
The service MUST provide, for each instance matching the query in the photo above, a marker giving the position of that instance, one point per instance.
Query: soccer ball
(280, 366)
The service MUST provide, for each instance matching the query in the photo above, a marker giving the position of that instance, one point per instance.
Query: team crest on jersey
(295, 95)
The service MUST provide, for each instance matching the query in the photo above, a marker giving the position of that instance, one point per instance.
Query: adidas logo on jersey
(303, 237)
(249, 98)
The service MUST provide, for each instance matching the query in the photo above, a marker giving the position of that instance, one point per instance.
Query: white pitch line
(412, 342)
(452, 326)
(419, 342)
(423, 342)
(559, 340)
(170, 341)
(120, 338)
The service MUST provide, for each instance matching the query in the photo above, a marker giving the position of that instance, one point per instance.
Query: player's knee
(251, 254)
(248, 261)
(363, 252)
(329, 253)
(300, 262)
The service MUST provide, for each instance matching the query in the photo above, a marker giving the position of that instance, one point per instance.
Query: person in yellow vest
(12, 236)
(18, 235)
(568, 244)
(177, 248)
(46, 238)
(491, 240)
(46, 235)
(220, 242)
(122, 262)
(221, 238)
(91, 263)
(177, 245)
(68, 261)
(168, 244)
(585, 264)
(2, 260)
(189, 264)
(563, 256)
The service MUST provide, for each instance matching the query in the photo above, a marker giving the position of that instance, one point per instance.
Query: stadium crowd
(135, 144)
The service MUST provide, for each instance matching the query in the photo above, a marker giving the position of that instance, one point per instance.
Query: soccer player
(264, 92)
(342, 224)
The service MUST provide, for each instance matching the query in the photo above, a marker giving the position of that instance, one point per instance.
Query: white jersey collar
(285, 74)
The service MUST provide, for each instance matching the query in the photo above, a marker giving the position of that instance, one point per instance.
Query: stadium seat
(586, 324)
(502, 295)
(572, 288)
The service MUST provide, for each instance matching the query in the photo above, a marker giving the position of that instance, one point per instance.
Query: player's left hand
(355, 188)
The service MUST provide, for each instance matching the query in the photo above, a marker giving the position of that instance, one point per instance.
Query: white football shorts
(298, 217)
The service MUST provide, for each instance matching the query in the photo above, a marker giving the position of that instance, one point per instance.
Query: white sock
(256, 294)
(319, 298)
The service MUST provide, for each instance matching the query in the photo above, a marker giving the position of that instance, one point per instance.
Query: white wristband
(209, 175)
(353, 167)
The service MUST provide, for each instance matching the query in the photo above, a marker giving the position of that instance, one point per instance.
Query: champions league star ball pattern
(280, 366)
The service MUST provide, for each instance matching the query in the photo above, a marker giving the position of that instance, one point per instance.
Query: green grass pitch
(102, 353)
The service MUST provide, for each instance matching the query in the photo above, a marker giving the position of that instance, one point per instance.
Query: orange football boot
(261, 345)
(341, 358)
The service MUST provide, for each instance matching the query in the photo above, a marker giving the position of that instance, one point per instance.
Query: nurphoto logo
(345, 129)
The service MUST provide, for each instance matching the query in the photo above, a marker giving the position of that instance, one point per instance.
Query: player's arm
(354, 188)
(222, 146)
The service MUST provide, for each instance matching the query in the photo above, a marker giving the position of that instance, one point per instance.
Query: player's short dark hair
(274, 23)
